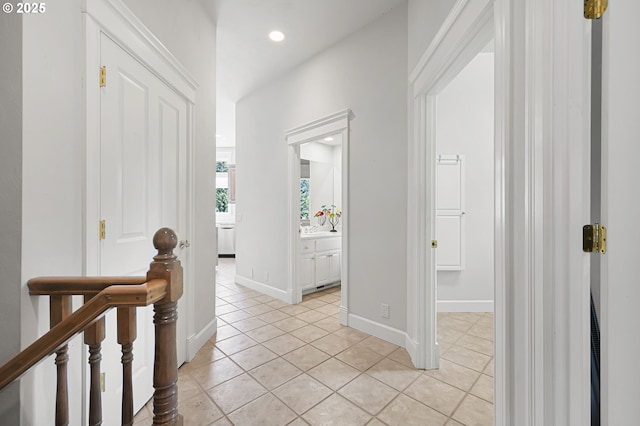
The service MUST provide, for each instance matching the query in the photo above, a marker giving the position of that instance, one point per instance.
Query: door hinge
(103, 229)
(103, 76)
(594, 239)
(102, 380)
(434, 243)
(594, 9)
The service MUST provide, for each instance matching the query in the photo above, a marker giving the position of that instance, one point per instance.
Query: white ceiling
(247, 59)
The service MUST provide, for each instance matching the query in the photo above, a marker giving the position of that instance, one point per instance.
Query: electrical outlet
(384, 310)
(266, 276)
(251, 273)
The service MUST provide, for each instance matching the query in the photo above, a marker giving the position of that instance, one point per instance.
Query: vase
(334, 222)
(321, 220)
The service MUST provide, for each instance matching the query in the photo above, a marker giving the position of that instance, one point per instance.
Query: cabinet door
(322, 269)
(334, 267)
(306, 272)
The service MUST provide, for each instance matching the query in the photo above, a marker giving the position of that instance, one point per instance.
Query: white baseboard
(264, 289)
(197, 341)
(344, 315)
(464, 306)
(381, 331)
(412, 348)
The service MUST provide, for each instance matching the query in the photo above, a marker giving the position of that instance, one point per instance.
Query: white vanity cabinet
(319, 261)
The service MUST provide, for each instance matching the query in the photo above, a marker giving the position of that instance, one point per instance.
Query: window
(222, 187)
(304, 199)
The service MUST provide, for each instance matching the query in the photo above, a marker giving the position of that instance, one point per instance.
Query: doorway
(464, 148)
(318, 260)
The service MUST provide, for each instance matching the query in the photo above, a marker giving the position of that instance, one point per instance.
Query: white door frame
(114, 19)
(467, 29)
(542, 165)
(619, 291)
(337, 123)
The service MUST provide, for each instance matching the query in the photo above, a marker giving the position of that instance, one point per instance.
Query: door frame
(114, 19)
(542, 165)
(337, 123)
(619, 291)
(465, 32)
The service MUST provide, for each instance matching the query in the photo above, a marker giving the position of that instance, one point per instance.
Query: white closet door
(143, 181)
(450, 213)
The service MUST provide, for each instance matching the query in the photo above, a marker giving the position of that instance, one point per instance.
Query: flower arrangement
(332, 213)
(322, 218)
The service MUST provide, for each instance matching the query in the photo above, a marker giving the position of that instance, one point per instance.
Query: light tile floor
(271, 363)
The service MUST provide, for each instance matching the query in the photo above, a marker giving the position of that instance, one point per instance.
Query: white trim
(465, 305)
(381, 331)
(197, 341)
(466, 30)
(316, 129)
(438, 38)
(542, 150)
(502, 256)
(329, 125)
(117, 21)
(276, 293)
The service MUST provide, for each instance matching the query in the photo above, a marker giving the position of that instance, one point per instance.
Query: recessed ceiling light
(328, 139)
(276, 35)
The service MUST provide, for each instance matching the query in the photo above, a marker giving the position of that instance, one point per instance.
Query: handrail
(71, 286)
(127, 294)
(162, 287)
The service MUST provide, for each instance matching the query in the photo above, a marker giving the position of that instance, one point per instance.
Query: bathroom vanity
(319, 260)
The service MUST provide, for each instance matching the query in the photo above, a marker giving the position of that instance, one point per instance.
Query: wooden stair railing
(162, 287)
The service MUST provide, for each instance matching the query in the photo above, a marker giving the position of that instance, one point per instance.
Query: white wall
(367, 73)
(464, 125)
(10, 204)
(54, 164)
(53, 175)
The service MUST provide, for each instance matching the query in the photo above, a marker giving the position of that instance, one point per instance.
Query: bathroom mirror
(320, 177)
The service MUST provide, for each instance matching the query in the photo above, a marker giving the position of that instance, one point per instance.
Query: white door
(334, 267)
(620, 289)
(143, 160)
(322, 269)
(306, 272)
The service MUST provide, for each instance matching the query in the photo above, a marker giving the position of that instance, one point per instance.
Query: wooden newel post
(165, 373)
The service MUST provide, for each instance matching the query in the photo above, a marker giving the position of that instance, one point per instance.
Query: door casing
(337, 123)
(542, 101)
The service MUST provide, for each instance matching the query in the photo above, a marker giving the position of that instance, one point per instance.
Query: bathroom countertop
(317, 235)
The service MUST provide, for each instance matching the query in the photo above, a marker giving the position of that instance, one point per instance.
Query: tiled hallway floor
(271, 363)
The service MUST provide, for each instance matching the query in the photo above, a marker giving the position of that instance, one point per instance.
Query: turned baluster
(126, 336)
(60, 309)
(165, 372)
(93, 337)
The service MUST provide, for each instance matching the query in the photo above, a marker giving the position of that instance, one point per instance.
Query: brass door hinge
(594, 9)
(434, 243)
(103, 76)
(102, 380)
(594, 239)
(103, 229)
